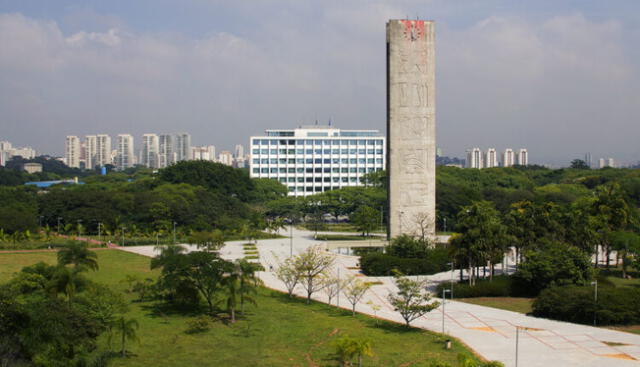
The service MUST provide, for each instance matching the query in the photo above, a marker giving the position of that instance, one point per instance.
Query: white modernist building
(166, 155)
(149, 152)
(523, 157)
(314, 159)
(204, 153)
(103, 150)
(183, 147)
(72, 151)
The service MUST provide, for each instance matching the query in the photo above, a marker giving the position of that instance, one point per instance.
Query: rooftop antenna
(316, 122)
(329, 121)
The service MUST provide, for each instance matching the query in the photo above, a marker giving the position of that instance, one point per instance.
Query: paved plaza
(490, 332)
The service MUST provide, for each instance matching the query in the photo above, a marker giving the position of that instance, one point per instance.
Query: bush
(501, 286)
(198, 324)
(615, 306)
(378, 264)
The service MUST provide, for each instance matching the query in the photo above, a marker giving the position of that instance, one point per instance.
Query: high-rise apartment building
(239, 151)
(204, 153)
(587, 160)
(609, 162)
(72, 151)
(183, 147)
(124, 155)
(523, 157)
(91, 142)
(166, 154)
(508, 158)
(491, 158)
(314, 159)
(149, 152)
(475, 158)
(226, 157)
(103, 150)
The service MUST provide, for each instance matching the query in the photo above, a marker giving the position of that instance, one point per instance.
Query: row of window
(319, 179)
(316, 142)
(316, 170)
(316, 161)
(312, 188)
(317, 151)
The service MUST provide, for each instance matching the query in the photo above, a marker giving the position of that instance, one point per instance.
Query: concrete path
(490, 332)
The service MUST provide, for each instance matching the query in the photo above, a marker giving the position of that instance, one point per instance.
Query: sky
(558, 77)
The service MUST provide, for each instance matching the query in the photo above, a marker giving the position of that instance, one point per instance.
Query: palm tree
(79, 255)
(361, 348)
(127, 329)
(232, 284)
(247, 281)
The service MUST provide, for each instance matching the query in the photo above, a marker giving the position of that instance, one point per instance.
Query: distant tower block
(411, 127)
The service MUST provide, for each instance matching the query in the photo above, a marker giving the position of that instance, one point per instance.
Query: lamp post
(595, 298)
(99, 232)
(451, 281)
(444, 292)
(174, 232)
(517, 342)
(445, 224)
(123, 228)
(291, 237)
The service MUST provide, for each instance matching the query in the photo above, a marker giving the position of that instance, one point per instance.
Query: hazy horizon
(558, 78)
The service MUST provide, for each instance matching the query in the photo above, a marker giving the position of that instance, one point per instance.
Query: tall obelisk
(411, 127)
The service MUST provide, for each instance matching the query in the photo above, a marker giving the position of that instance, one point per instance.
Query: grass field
(279, 332)
(522, 305)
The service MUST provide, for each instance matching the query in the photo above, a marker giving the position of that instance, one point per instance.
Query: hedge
(501, 286)
(615, 306)
(378, 264)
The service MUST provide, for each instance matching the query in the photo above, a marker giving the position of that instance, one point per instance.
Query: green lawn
(522, 305)
(279, 332)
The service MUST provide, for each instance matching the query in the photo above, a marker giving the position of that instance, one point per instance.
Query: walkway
(490, 332)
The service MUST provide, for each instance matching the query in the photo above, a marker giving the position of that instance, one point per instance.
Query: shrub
(615, 306)
(198, 324)
(378, 264)
(501, 286)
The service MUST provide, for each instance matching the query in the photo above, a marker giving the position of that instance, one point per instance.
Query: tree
(311, 264)
(612, 214)
(626, 243)
(331, 286)
(248, 281)
(79, 255)
(412, 300)
(579, 164)
(366, 219)
(354, 290)
(347, 347)
(210, 241)
(289, 274)
(127, 329)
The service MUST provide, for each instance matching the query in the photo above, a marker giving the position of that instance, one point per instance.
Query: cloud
(559, 86)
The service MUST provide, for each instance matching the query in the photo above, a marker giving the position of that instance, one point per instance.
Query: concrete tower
(411, 127)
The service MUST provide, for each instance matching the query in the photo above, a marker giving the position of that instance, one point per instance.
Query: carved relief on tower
(412, 94)
(415, 194)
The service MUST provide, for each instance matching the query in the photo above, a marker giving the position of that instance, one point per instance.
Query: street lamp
(451, 281)
(517, 342)
(79, 221)
(174, 233)
(595, 298)
(123, 228)
(444, 292)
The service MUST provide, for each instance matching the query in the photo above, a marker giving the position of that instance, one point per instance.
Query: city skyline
(559, 78)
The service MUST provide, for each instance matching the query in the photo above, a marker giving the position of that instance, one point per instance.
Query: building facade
(124, 152)
(183, 147)
(314, 159)
(491, 158)
(508, 158)
(149, 153)
(72, 151)
(204, 153)
(523, 157)
(103, 150)
(166, 151)
(475, 158)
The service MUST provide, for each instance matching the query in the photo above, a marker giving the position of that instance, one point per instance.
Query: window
(371, 142)
(309, 170)
(299, 170)
(264, 142)
(335, 161)
(378, 151)
(353, 179)
(300, 179)
(344, 151)
(327, 151)
(335, 170)
(379, 160)
(318, 189)
(326, 142)
(317, 142)
(353, 142)
(362, 142)
(335, 151)
(291, 179)
(292, 188)
(291, 161)
(264, 151)
(309, 151)
(291, 151)
(273, 160)
(344, 142)
(256, 170)
(291, 170)
(255, 142)
(370, 160)
(264, 170)
(282, 179)
(362, 161)
(282, 142)
(299, 151)
(317, 179)
(353, 170)
(335, 142)
(282, 170)
(308, 142)
(360, 169)
(291, 142)
(318, 170)
(264, 161)
(327, 179)
(352, 151)
(344, 170)
(299, 160)
(370, 151)
(327, 161)
(274, 151)
(309, 179)
(353, 160)
(326, 170)
(309, 189)
(335, 179)
(344, 160)
(370, 169)
(344, 179)
(362, 151)
(317, 161)
(300, 142)
(273, 170)
(256, 161)
(255, 151)
(282, 151)
(282, 160)
(309, 160)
